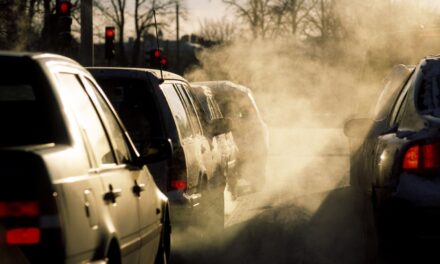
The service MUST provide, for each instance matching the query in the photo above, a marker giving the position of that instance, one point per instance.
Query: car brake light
(178, 184)
(23, 236)
(429, 156)
(422, 157)
(411, 159)
(19, 209)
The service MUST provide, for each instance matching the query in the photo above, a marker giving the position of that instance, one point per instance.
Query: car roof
(224, 86)
(39, 56)
(201, 89)
(167, 76)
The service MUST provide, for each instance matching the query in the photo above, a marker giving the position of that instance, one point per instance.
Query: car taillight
(23, 236)
(18, 209)
(19, 234)
(422, 157)
(178, 184)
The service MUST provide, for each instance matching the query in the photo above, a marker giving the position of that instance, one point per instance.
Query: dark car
(237, 104)
(219, 132)
(159, 110)
(396, 161)
(73, 187)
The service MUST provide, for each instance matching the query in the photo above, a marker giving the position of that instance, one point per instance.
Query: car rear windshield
(428, 96)
(24, 106)
(241, 107)
(134, 101)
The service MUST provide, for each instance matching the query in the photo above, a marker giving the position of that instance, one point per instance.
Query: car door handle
(112, 194)
(138, 188)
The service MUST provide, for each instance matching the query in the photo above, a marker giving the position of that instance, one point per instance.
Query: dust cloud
(306, 89)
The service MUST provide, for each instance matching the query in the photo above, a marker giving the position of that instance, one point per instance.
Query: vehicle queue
(99, 164)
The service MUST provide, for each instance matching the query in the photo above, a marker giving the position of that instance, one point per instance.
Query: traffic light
(64, 22)
(109, 43)
(156, 59)
(156, 54)
(163, 62)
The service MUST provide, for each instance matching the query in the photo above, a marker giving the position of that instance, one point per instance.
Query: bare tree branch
(143, 20)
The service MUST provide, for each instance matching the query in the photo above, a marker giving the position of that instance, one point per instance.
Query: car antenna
(157, 46)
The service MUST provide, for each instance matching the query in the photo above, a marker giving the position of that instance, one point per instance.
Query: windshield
(24, 113)
(134, 102)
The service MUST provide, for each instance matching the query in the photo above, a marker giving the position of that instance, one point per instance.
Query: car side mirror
(357, 127)
(220, 126)
(160, 149)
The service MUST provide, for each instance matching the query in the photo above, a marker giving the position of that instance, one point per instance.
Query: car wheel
(163, 252)
(113, 255)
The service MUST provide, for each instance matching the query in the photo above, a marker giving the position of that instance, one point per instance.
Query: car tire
(163, 252)
(113, 255)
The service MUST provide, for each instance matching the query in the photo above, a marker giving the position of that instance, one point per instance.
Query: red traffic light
(163, 61)
(110, 32)
(157, 54)
(109, 42)
(64, 8)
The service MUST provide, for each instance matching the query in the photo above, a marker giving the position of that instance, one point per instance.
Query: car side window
(407, 116)
(393, 85)
(215, 108)
(121, 148)
(399, 103)
(195, 124)
(87, 118)
(177, 109)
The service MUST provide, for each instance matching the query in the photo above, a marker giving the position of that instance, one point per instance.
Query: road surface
(307, 213)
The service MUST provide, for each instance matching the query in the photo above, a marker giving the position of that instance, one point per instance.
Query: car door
(223, 141)
(365, 158)
(187, 138)
(203, 148)
(141, 183)
(117, 181)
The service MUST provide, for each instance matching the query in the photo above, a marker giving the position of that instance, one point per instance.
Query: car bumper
(417, 191)
(410, 220)
(414, 207)
(182, 206)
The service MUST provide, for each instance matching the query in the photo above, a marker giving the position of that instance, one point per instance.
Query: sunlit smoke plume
(307, 89)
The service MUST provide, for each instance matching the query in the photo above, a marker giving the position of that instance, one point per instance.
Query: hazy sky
(199, 10)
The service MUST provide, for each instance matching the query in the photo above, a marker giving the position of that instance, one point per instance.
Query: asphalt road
(306, 214)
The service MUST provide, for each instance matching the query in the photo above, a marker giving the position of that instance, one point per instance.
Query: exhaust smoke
(306, 90)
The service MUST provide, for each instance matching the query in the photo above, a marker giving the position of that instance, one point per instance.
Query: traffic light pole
(86, 47)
